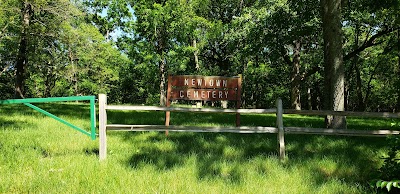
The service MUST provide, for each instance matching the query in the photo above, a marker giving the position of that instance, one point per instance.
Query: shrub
(390, 170)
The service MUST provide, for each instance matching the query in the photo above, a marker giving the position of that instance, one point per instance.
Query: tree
(300, 20)
(7, 48)
(333, 61)
(22, 60)
(275, 45)
(154, 19)
(166, 30)
(369, 35)
(58, 53)
(93, 62)
(34, 20)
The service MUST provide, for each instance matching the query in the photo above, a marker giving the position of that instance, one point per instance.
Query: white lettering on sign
(204, 83)
(210, 94)
(224, 83)
(211, 82)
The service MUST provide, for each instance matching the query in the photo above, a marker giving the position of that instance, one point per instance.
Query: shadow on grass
(78, 110)
(10, 113)
(10, 121)
(15, 109)
(58, 109)
(217, 155)
(92, 151)
(352, 159)
(14, 125)
(220, 155)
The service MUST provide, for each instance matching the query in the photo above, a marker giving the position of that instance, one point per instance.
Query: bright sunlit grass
(40, 155)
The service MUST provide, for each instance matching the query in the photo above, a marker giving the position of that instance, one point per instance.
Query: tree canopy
(127, 48)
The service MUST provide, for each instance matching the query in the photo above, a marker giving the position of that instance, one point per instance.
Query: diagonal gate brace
(28, 102)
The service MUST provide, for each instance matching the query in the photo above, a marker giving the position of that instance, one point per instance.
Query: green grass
(39, 155)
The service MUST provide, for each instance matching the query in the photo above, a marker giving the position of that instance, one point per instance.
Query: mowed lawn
(40, 155)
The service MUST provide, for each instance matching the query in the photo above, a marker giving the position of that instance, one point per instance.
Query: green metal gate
(28, 101)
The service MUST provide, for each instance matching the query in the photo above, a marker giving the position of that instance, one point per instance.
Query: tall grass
(40, 155)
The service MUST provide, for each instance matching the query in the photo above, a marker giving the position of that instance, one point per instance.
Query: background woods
(61, 48)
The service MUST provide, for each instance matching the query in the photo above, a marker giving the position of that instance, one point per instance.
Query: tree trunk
(316, 96)
(360, 97)
(398, 71)
(295, 77)
(333, 61)
(244, 81)
(22, 52)
(196, 56)
(163, 97)
(309, 98)
(161, 49)
(75, 72)
(49, 85)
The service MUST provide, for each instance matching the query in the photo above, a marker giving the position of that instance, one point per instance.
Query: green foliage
(108, 16)
(373, 72)
(391, 166)
(67, 56)
(92, 46)
(388, 185)
(390, 170)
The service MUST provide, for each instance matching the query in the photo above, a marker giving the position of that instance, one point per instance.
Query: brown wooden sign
(206, 88)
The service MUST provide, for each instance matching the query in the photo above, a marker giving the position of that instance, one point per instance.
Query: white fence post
(281, 132)
(102, 126)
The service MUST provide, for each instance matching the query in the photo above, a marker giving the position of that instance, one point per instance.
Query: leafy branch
(369, 43)
(381, 184)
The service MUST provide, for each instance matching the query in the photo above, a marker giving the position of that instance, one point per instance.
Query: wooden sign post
(205, 88)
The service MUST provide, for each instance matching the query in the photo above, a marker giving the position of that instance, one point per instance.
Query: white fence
(279, 128)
